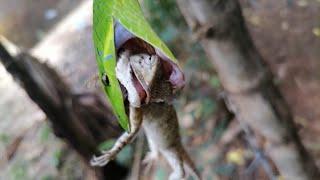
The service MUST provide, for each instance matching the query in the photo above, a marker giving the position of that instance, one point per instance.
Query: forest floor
(287, 33)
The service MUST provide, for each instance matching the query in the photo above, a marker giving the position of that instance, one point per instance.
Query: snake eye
(105, 79)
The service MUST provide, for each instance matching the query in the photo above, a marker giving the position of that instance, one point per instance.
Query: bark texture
(82, 120)
(250, 91)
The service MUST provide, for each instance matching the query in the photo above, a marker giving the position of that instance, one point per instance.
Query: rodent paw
(102, 160)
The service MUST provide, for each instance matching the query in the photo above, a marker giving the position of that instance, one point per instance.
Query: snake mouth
(171, 70)
(125, 40)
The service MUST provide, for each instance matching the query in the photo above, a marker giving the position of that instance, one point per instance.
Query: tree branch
(82, 120)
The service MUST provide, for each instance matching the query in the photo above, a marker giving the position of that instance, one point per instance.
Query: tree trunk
(250, 91)
(82, 120)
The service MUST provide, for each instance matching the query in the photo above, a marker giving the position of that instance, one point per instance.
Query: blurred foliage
(236, 157)
(214, 82)
(56, 158)
(48, 177)
(4, 138)
(19, 171)
(160, 174)
(45, 133)
(106, 145)
(165, 18)
(125, 156)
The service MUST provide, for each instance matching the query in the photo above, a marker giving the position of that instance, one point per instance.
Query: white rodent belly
(154, 134)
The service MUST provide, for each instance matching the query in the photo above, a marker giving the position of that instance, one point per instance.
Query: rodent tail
(189, 166)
